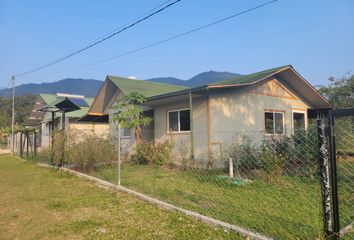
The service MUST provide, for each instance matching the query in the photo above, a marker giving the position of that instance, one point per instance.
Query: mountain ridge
(90, 87)
(198, 80)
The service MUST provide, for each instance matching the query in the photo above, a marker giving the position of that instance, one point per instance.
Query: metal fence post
(35, 143)
(118, 157)
(63, 139)
(231, 168)
(332, 147)
(52, 140)
(324, 174)
(21, 144)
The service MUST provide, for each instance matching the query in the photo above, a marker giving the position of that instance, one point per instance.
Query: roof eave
(248, 84)
(178, 93)
(313, 88)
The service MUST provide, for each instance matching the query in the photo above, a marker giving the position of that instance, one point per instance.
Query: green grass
(39, 203)
(345, 175)
(289, 209)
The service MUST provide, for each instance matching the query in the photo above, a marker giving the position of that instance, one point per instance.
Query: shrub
(244, 152)
(186, 154)
(44, 155)
(304, 159)
(89, 153)
(156, 154)
(273, 154)
(84, 152)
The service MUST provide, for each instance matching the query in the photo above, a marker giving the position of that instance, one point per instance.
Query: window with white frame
(299, 121)
(125, 133)
(274, 122)
(178, 120)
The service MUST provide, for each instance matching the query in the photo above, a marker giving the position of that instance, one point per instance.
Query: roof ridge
(146, 81)
(242, 77)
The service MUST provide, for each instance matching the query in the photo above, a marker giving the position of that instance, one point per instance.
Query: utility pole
(13, 117)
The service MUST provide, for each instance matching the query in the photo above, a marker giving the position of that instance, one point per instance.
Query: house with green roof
(115, 87)
(41, 116)
(271, 102)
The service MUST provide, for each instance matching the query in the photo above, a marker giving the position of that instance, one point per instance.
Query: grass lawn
(39, 203)
(290, 209)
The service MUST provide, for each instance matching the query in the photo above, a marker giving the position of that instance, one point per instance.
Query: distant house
(41, 119)
(267, 103)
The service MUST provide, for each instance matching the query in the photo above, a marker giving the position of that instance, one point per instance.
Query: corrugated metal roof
(250, 78)
(298, 83)
(51, 99)
(145, 88)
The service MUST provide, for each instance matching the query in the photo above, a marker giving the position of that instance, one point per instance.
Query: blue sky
(315, 36)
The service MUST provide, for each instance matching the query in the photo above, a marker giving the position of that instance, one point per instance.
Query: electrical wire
(99, 41)
(162, 41)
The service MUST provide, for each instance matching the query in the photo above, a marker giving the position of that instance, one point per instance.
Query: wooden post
(324, 175)
(334, 187)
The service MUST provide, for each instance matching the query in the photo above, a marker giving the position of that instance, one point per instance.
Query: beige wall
(183, 140)
(217, 119)
(99, 129)
(232, 113)
(236, 113)
(244, 111)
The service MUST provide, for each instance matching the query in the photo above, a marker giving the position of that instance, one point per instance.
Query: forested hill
(23, 107)
(86, 87)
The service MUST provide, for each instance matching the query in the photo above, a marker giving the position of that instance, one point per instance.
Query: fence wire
(344, 134)
(266, 183)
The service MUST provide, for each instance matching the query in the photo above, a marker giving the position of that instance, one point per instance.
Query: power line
(9, 83)
(164, 40)
(121, 26)
(101, 40)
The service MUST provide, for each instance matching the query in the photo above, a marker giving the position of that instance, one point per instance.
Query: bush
(186, 154)
(82, 152)
(156, 154)
(304, 159)
(274, 154)
(44, 156)
(89, 154)
(245, 153)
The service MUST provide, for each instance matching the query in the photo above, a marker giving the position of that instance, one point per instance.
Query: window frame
(292, 118)
(273, 113)
(122, 136)
(178, 119)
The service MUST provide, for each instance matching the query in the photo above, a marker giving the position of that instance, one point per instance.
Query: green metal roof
(250, 78)
(48, 98)
(145, 88)
(52, 99)
(244, 79)
(78, 113)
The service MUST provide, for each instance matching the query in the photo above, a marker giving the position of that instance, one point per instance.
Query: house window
(274, 122)
(179, 121)
(299, 121)
(126, 133)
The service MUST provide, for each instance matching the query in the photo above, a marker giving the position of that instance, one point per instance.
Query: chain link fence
(269, 184)
(344, 133)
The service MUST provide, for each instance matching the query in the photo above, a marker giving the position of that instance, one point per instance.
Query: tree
(129, 113)
(339, 92)
(23, 108)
